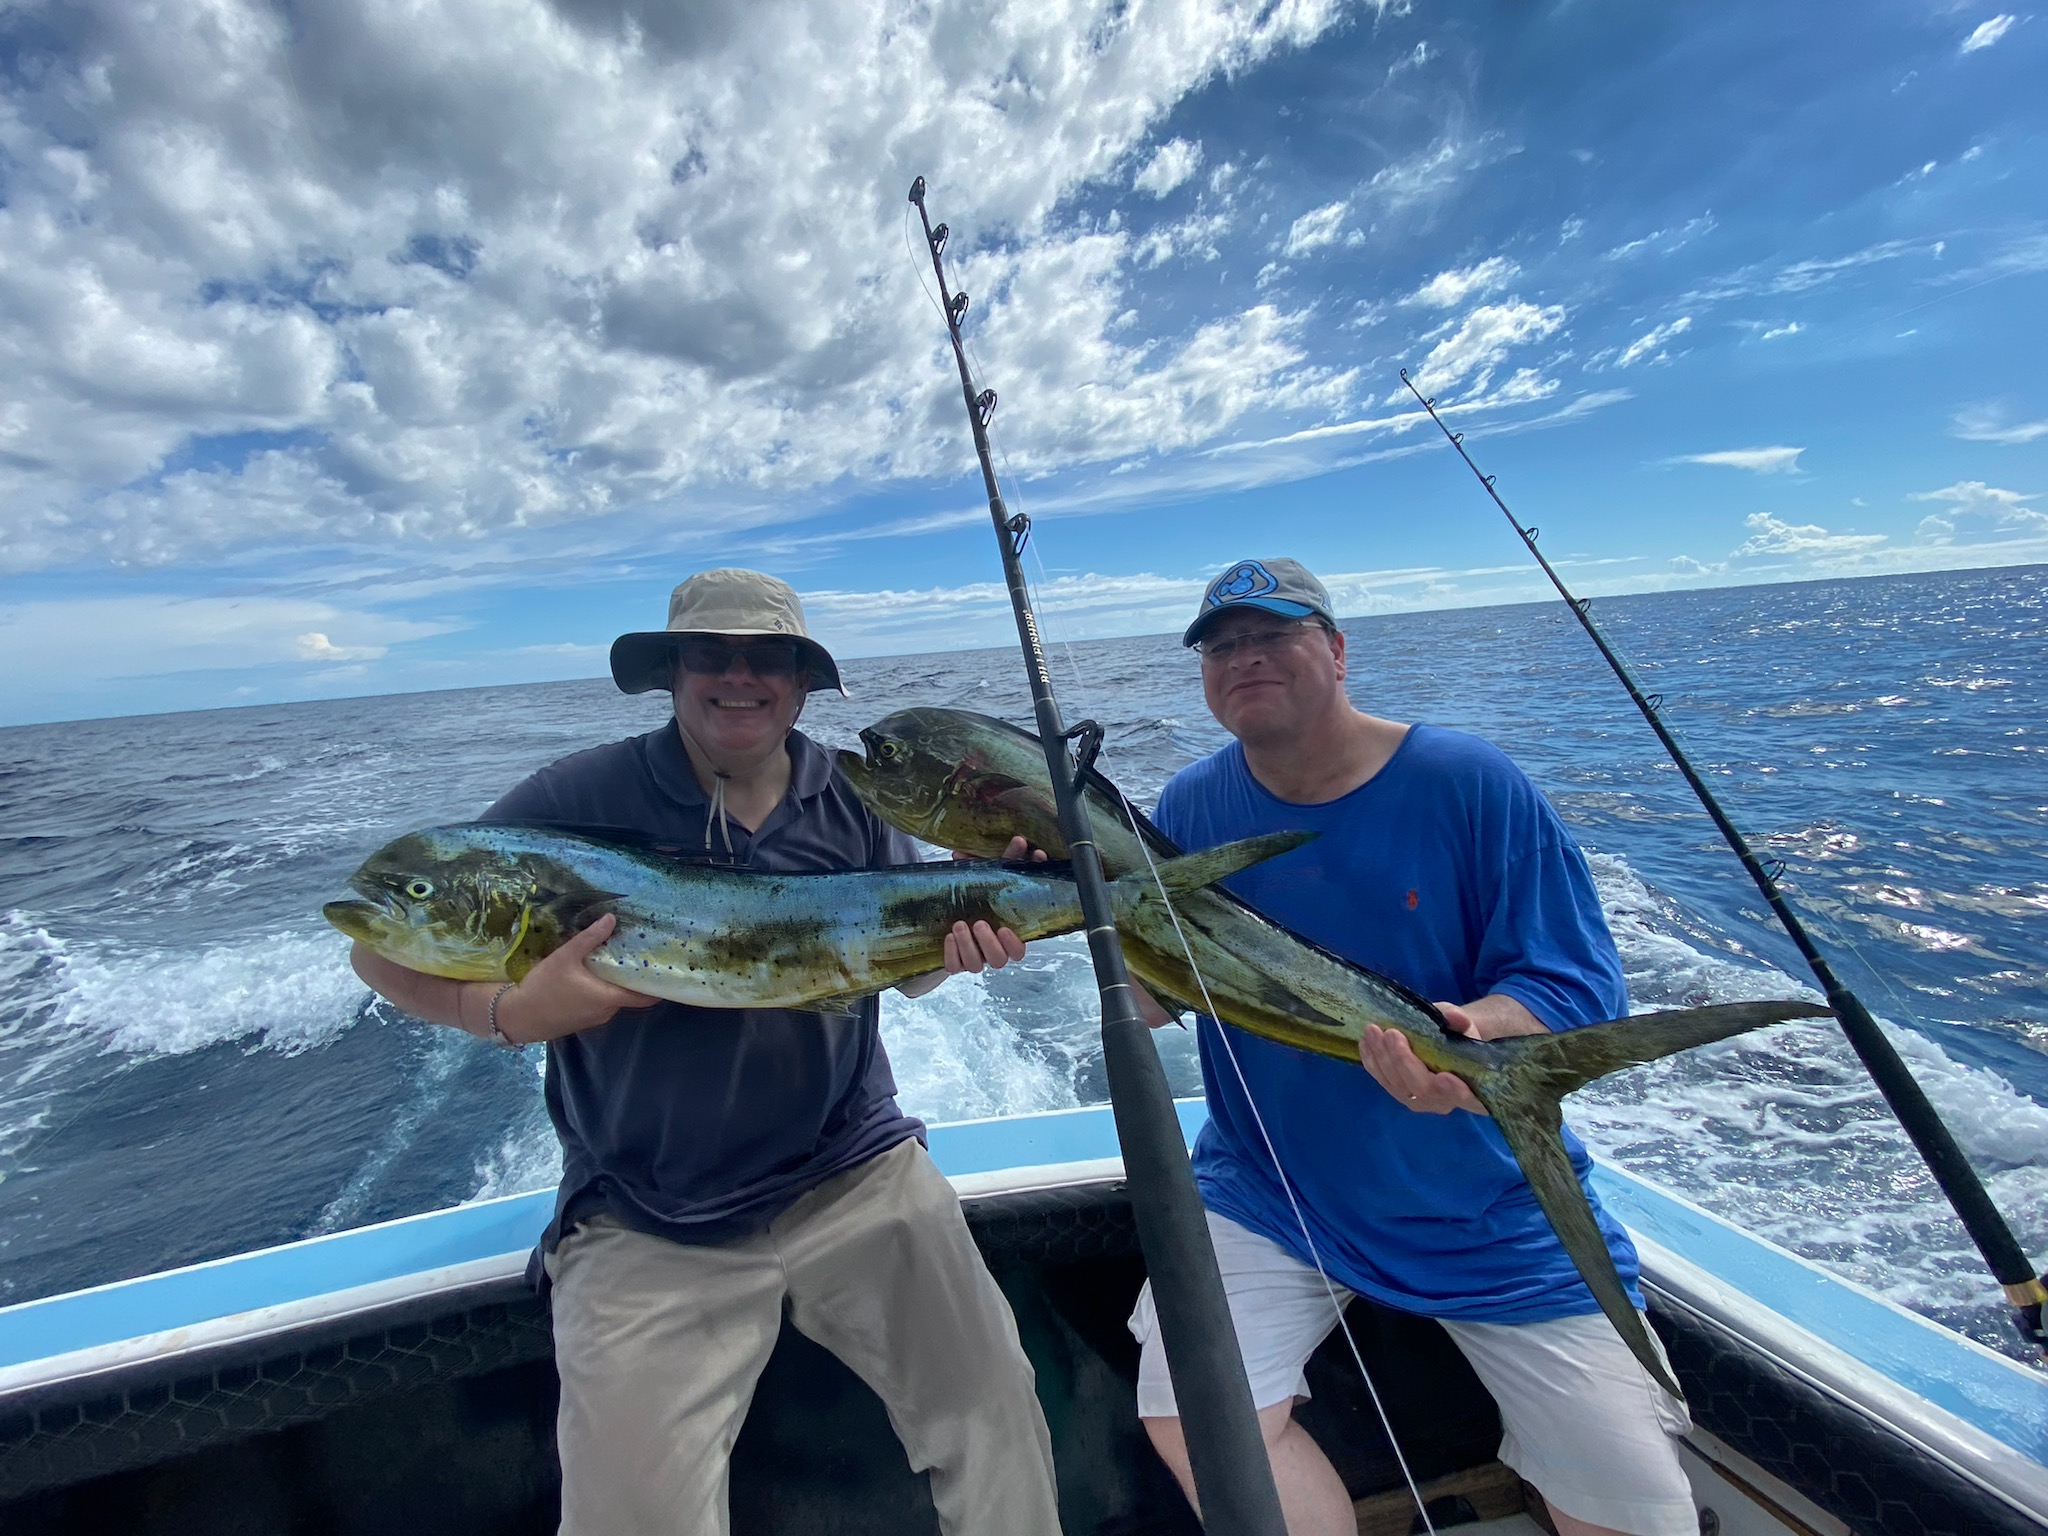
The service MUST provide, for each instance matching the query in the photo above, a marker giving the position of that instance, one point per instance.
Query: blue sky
(357, 349)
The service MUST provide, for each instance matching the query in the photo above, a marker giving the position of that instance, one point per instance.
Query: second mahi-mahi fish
(971, 783)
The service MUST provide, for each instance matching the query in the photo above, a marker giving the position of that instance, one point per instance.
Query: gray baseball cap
(723, 602)
(1278, 586)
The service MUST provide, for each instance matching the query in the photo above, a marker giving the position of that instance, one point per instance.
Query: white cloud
(147, 635)
(1425, 177)
(1762, 461)
(1074, 392)
(1173, 163)
(1790, 328)
(1481, 342)
(1317, 228)
(1448, 289)
(1988, 424)
(357, 274)
(1771, 538)
(1195, 237)
(1987, 33)
(314, 646)
(1804, 276)
(1801, 276)
(1981, 511)
(1414, 59)
(1666, 240)
(1651, 341)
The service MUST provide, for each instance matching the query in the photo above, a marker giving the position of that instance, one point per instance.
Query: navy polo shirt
(701, 1124)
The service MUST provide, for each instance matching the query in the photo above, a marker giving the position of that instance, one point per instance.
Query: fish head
(445, 902)
(959, 780)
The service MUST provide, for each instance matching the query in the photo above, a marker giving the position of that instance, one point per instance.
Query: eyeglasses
(764, 658)
(1266, 640)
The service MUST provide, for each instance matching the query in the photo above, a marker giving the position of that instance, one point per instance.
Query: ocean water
(189, 1069)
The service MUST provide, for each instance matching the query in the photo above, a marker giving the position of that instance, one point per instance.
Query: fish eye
(889, 751)
(418, 890)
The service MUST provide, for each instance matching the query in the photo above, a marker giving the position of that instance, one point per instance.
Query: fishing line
(1237, 1068)
(979, 374)
(980, 380)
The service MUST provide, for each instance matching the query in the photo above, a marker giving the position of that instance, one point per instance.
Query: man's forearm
(433, 998)
(1497, 1016)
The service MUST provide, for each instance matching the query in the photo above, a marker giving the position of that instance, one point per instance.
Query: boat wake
(1783, 1133)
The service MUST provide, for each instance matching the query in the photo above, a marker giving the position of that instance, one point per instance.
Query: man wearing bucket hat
(1439, 864)
(723, 1165)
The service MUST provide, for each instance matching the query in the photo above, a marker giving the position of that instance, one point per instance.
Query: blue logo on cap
(1245, 579)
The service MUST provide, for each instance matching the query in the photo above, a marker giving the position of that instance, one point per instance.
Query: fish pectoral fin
(1530, 1120)
(1571, 1058)
(547, 921)
(836, 1008)
(577, 910)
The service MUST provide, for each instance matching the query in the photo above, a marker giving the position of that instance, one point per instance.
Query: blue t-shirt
(1450, 872)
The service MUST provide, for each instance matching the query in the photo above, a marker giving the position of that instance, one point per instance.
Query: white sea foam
(957, 1057)
(525, 1159)
(1782, 1131)
(292, 991)
(396, 1128)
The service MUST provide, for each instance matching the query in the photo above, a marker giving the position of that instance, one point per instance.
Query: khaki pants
(659, 1345)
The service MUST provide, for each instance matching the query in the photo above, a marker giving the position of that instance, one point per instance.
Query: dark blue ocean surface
(189, 1069)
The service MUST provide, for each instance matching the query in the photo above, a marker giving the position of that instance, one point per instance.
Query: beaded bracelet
(491, 1017)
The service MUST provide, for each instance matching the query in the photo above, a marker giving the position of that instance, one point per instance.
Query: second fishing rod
(2023, 1285)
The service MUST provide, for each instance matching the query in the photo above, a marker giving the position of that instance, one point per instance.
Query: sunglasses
(764, 658)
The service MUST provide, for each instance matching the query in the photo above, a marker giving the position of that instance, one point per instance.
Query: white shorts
(1581, 1419)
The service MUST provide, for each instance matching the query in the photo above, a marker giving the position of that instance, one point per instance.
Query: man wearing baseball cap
(1440, 865)
(723, 1165)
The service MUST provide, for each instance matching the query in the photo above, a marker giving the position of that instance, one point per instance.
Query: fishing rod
(2008, 1262)
(1225, 1449)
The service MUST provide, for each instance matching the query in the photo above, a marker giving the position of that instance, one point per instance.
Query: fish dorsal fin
(1156, 840)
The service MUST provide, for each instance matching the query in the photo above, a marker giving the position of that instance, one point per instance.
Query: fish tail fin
(1523, 1091)
(1530, 1120)
(1570, 1059)
(1192, 871)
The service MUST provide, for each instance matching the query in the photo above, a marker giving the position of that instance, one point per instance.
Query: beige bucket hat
(723, 602)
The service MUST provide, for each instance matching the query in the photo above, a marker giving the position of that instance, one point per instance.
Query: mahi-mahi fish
(487, 901)
(968, 782)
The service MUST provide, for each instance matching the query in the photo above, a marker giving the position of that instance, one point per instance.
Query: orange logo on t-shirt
(1414, 900)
